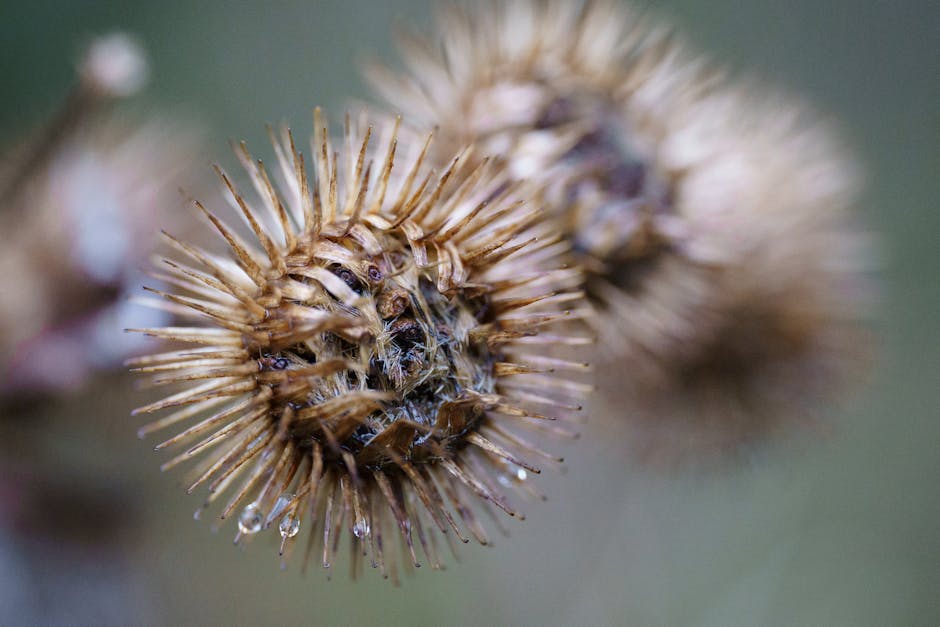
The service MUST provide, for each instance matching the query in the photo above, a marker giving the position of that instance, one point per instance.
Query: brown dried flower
(366, 367)
(714, 222)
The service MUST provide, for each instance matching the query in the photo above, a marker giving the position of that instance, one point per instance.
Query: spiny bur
(363, 361)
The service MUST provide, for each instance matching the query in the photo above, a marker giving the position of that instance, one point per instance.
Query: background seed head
(714, 220)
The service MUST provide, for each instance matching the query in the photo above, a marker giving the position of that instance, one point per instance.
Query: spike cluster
(715, 225)
(367, 363)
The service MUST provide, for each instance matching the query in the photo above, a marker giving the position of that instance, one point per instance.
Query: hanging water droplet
(521, 474)
(289, 526)
(250, 520)
(361, 529)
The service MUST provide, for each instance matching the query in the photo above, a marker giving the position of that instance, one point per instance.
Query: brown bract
(367, 362)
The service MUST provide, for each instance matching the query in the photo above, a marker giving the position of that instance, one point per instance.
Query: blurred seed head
(115, 65)
(363, 366)
(79, 199)
(715, 221)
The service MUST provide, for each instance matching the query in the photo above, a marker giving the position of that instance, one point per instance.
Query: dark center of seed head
(409, 334)
(631, 194)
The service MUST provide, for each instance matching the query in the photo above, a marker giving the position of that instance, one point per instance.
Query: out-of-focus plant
(80, 201)
(714, 219)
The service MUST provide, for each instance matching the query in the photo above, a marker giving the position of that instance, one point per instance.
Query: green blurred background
(838, 531)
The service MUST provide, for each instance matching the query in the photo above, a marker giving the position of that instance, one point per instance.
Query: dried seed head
(365, 367)
(714, 222)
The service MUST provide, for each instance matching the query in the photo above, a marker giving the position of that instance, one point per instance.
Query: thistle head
(364, 364)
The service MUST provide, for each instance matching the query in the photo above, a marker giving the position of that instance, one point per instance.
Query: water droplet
(289, 526)
(282, 502)
(521, 474)
(361, 529)
(251, 519)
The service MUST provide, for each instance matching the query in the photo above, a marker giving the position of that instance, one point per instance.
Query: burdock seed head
(365, 363)
(714, 221)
